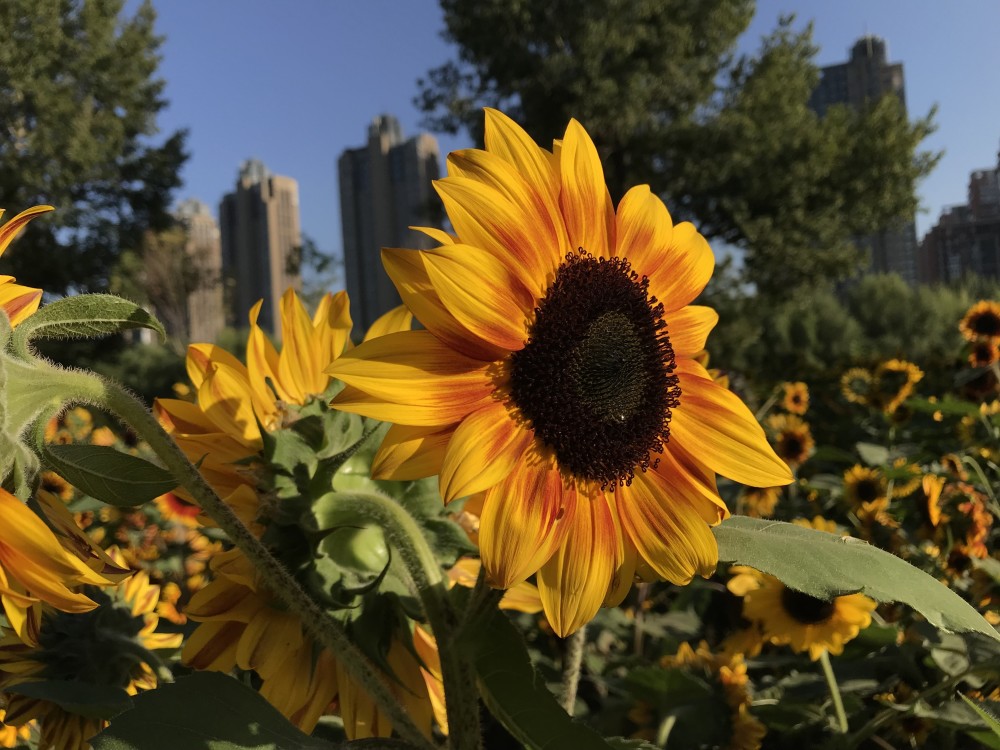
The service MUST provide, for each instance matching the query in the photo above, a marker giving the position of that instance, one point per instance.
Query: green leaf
(826, 565)
(109, 475)
(991, 721)
(872, 454)
(203, 710)
(84, 316)
(83, 698)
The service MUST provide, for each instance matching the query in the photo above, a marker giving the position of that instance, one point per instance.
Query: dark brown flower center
(804, 608)
(867, 490)
(595, 379)
(986, 323)
(790, 447)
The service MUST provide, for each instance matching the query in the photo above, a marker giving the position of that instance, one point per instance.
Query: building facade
(385, 188)
(261, 244)
(966, 239)
(205, 303)
(865, 77)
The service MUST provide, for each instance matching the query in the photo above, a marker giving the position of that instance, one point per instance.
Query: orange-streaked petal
(19, 301)
(300, 364)
(424, 414)
(507, 139)
(332, 327)
(407, 271)
(483, 451)
(262, 366)
(411, 452)
(716, 427)
(575, 581)
(397, 319)
(668, 532)
(584, 199)
(10, 230)
(684, 270)
(481, 294)
(688, 328)
(644, 229)
(212, 646)
(523, 522)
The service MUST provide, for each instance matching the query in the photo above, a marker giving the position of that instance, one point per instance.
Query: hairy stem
(572, 662)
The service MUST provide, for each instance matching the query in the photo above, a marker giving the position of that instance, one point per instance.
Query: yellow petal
(575, 581)
(225, 397)
(644, 229)
(19, 301)
(299, 364)
(438, 235)
(423, 414)
(262, 364)
(411, 452)
(332, 326)
(717, 428)
(523, 523)
(200, 358)
(212, 646)
(483, 451)
(688, 328)
(397, 319)
(684, 270)
(10, 230)
(584, 199)
(507, 139)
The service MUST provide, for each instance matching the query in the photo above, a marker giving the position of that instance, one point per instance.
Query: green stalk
(278, 580)
(571, 668)
(831, 682)
(427, 582)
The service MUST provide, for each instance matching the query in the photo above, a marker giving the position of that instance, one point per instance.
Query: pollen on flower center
(595, 378)
(804, 608)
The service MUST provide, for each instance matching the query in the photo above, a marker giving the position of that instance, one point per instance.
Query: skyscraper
(205, 311)
(261, 239)
(385, 187)
(863, 79)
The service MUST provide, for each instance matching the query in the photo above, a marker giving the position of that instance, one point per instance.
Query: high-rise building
(864, 78)
(261, 243)
(966, 239)
(205, 311)
(385, 188)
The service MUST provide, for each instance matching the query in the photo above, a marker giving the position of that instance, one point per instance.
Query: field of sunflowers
(526, 510)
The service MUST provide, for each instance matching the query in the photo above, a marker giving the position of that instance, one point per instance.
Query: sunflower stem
(278, 580)
(831, 682)
(572, 662)
(428, 583)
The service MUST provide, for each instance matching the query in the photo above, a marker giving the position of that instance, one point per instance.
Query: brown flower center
(804, 608)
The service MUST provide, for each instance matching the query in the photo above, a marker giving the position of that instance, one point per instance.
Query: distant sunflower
(796, 397)
(760, 502)
(173, 507)
(863, 484)
(893, 382)
(790, 617)
(981, 322)
(856, 385)
(556, 376)
(906, 477)
(109, 647)
(18, 301)
(793, 440)
(984, 353)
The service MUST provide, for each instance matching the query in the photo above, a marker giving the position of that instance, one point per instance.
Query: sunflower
(907, 477)
(981, 322)
(18, 301)
(760, 502)
(174, 508)
(893, 382)
(864, 485)
(793, 440)
(984, 353)
(856, 385)
(12, 736)
(796, 397)
(556, 376)
(799, 620)
(109, 647)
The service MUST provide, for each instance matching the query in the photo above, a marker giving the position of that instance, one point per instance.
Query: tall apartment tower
(206, 315)
(261, 241)
(385, 188)
(864, 78)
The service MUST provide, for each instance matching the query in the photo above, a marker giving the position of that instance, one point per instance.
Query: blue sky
(295, 83)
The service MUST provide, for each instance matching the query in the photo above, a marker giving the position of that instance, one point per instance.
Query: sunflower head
(984, 353)
(760, 502)
(796, 397)
(893, 382)
(793, 440)
(863, 484)
(856, 385)
(981, 322)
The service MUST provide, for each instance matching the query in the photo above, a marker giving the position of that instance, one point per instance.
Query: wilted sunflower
(981, 322)
(793, 440)
(796, 397)
(18, 301)
(856, 385)
(109, 647)
(556, 376)
(892, 384)
(799, 620)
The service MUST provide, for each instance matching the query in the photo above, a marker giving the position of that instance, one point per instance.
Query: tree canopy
(79, 99)
(728, 140)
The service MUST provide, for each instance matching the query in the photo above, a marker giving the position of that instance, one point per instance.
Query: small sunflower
(856, 385)
(175, 508)
(52, 482)
(760, 502)
(981, 322)
(111, 647)
(793, 440)
(556, 376)
(863, 484)
(796, 397)
(984, 353)
(790, 617)
(906, 477)
(18, 301)
(893, 383)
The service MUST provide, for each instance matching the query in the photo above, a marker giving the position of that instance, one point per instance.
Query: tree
(78, 104)
(729, 141)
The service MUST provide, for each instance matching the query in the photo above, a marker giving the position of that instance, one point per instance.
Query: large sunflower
(556, 376)
(18, 301)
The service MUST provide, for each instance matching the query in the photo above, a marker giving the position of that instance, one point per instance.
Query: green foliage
(79, 98)
(109, 475)
(728, 141)
(150, 370)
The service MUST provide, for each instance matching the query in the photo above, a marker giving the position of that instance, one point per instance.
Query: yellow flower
(981, 322)
(864, 485)
(856, 385)
(760, 502)
(125, 615)
(796, 397)
(12, 736)
(805, 623)
(818, 522)
(892, 384)
(793, 440)
(984, 353)
(18, 301)
(556, 376)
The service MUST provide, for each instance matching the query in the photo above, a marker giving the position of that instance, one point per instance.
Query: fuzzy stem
(571, 668)
(428, 583)
(277, 579)
(831, 682)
